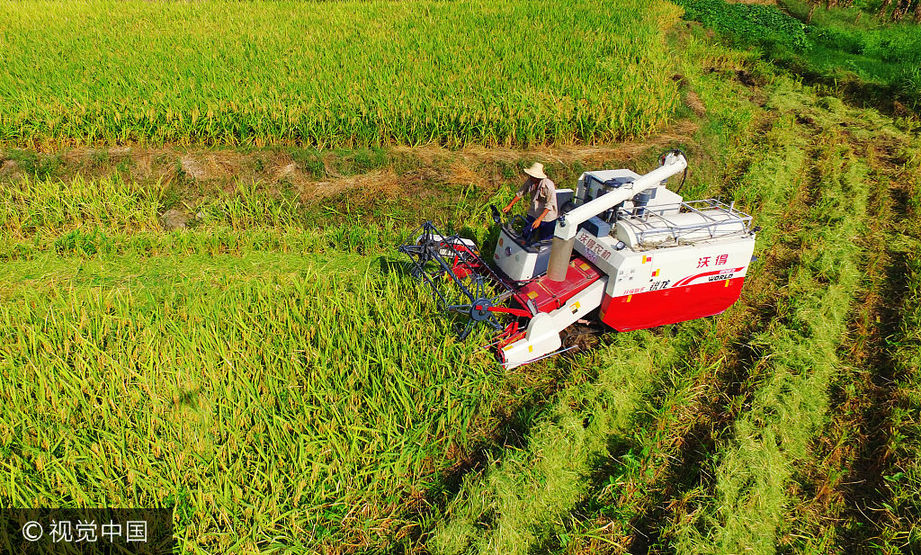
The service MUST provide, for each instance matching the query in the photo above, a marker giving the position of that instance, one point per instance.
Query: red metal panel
(676, 304)
(548, 295)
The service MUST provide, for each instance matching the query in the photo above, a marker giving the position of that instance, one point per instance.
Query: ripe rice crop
(271, 375)
(286, 398)
(334, 73)
(249, 373)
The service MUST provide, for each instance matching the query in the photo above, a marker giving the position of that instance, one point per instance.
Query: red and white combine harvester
(624, 245)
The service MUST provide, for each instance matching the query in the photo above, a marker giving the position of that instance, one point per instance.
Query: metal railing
(653, 222)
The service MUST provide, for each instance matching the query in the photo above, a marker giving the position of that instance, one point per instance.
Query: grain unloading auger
(624, 244)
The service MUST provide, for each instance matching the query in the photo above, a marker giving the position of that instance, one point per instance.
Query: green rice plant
(334, 73)
(33, 204)
(92, 255)
(39, 214)
(909, 84)
(833, 46)
(50, 214)
(749, 23)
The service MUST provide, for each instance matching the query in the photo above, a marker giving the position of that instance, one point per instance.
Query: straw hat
(536, 171)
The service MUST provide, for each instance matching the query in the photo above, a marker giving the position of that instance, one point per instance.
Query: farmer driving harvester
(624, 246)
(543, 212)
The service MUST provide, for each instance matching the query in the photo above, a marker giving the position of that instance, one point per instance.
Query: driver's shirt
(543, 196)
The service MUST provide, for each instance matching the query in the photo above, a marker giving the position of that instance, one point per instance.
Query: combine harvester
(624, 244)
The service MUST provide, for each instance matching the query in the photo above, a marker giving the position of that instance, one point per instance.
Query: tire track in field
(844, 495)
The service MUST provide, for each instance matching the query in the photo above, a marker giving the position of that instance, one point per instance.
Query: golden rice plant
(268, 398)
(334, 73)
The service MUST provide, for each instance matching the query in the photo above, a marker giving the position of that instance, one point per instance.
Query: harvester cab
(515, 256)
(624, 246)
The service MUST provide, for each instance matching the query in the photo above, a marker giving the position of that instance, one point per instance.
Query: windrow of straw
(797, 359)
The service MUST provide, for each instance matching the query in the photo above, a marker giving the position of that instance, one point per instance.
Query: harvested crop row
(859, 488)
(746, 502)
(263, 397)
(677, 427)
(334, 73)
(903, 477)
(515, 502)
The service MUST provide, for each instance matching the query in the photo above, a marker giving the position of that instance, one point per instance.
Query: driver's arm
(540, 218)
(511, 204)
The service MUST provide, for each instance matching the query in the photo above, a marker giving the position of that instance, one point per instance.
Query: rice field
(326, 74)
(269, 371)
(279, 394)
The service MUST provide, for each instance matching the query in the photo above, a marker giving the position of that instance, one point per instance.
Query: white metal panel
(514, 261)
(589, 188)
(567, 226)
(678, 266)
(598, 250)
(665, 202)
(700, 225)
(637, 271)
